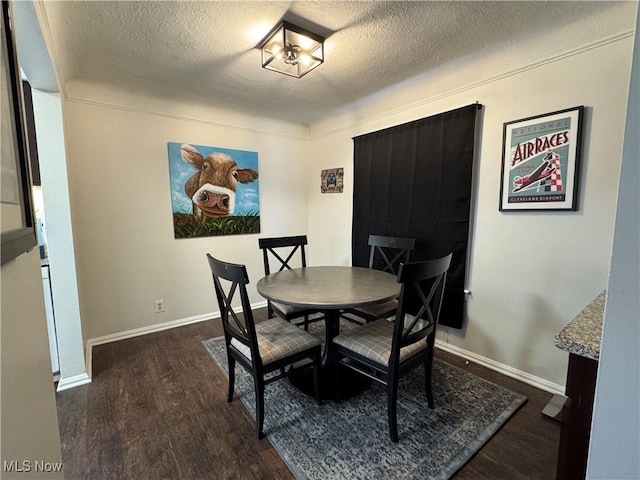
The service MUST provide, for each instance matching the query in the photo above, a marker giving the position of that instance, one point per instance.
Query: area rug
(350, 439)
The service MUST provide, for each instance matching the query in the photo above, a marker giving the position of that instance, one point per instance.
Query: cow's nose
(205, 196)
(225, 201)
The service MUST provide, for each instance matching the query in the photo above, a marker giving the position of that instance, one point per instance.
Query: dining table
(329, 290)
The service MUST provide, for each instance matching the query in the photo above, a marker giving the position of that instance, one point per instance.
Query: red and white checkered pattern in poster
(554, 182)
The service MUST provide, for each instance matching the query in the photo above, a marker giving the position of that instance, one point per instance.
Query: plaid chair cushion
(277, 339)
(380, 310)
(373, 341)
(286, 309)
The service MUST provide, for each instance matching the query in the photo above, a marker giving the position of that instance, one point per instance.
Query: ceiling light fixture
(292, 50)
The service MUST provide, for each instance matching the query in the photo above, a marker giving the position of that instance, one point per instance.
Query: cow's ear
(191, 156)
(246, 175)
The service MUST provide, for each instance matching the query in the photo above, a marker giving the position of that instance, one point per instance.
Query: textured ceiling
(204, 52)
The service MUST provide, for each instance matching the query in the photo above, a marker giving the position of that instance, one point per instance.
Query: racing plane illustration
(541, 173)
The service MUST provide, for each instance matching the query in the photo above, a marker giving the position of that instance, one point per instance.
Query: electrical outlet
(159, 306)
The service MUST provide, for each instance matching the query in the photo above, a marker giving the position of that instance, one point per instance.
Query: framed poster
(540, 161)
(332, 180)
(214, 191)
(18, 226)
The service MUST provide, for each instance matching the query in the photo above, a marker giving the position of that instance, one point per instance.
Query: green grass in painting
(191, 226)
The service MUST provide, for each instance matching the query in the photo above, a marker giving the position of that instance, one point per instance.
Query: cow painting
(212, 188)
(214, 191)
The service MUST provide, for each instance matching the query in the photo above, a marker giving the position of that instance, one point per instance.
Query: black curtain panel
(414, 180)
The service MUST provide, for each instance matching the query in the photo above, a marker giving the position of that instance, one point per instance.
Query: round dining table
(329, 290)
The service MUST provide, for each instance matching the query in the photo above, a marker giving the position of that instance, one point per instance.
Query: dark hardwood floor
(157, 409)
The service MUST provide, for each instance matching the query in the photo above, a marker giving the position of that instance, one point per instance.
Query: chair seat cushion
(278, 339)
(288, 310)
(373, 341)
(379, 310)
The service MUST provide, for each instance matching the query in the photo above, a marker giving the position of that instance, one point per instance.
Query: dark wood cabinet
(576, 418)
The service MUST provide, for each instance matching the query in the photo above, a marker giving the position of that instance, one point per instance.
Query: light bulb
(305, 59)
(276, 49)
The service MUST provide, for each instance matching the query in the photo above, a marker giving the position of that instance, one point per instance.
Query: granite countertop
(583, 334)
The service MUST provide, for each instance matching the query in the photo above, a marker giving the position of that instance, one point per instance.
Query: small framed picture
(540, 161)
(331, 180)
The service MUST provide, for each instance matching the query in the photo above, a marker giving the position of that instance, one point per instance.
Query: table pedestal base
(350, 383)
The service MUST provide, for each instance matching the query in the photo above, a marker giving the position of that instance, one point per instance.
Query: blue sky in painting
(247, 194)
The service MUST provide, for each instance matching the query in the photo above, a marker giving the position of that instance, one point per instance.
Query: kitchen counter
(581, 338)
(582, 335)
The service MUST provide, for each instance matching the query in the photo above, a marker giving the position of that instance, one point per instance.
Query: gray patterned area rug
(350, 439)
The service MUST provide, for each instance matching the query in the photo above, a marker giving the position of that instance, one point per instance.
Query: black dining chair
(270, 346)
(385, 351)
(386, 253)
(274, 249)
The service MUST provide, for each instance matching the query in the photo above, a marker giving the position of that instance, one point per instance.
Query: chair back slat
(269, 253)
(383, 247)
(242, 328)
(426, 280)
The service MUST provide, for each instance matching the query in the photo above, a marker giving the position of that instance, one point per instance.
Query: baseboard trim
(159, 327)
(503, 369)
(71, 382)
(447, 347)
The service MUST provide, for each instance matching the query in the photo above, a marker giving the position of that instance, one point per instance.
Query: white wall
(28, 416)
(615, 439)
(127, 256)
(530, 273)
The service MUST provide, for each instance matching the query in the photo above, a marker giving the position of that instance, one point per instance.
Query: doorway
(58, 263)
